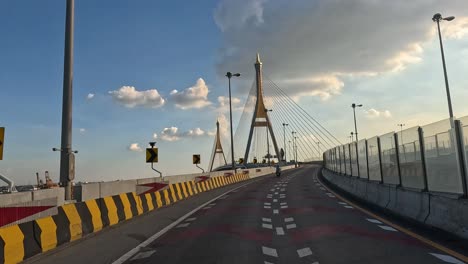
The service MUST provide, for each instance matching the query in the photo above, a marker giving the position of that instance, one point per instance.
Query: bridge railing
(429, 158)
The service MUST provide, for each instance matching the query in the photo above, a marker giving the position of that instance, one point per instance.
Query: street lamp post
(355, 124)
(294, 145)
(284, 140)
(318, 145)
(67, 167)
(268, 141)
(229, 75)
(437, 18)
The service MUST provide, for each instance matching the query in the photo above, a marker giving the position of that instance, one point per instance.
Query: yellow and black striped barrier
(76, 220)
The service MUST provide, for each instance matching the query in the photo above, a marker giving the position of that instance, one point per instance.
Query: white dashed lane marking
(275, 200)
(190, 219)
(342, 203)
(283, 203)
(289, 219)
(279, 231)
(267, 203)
(275, 211)
(270, 251)
(183, 225)
(284, 206)
(266, 220)
(447, 258)
(375, 221)
(304, 252)
(291, 226)
(384, 227)
(267, 207)
(269, 226)
(143, 255)
(348, 206)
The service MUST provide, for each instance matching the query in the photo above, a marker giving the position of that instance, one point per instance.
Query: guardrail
(430, 158)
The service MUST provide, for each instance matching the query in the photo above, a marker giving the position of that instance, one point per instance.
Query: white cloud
(234, 14)
(170, 134)
(155, 135)
(90, 96)
(373, 113)
(309, 47)
(130, 97)
(192, 97)
(173, 133)
(134, 147)
(223, 104)
(82, 130)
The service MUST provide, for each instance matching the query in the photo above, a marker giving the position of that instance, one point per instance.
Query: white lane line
(384, 227)
(207, 207)
(275, 211)
(288, 219)
(269, 226)
(266, 262)
(270, 251)
(316, 262)
(267, 207)
(266, 219)
(191, 219)
(283, 190)
(275, 200)
(279, 231)
(342, 203)
(447, 258)
(283, 203)
(166, 229)
(372, 220)
(348, 206)
(143, 255)
(276, 192)
(183, 225)
(304, 252)
(272, 189)
(284, 206)
(290, 226)
(266, 203)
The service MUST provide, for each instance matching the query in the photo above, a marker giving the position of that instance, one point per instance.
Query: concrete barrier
(447, 213)
(75, 220)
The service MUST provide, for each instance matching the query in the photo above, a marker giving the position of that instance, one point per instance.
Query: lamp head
(437, 17)
(450, 18)
(152, 143)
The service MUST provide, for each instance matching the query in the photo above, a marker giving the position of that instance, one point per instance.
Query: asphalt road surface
(291, 219)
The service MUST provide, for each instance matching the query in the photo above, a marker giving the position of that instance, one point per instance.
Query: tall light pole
(295, 146)
(319, 151)
(284, 140)
(437, 18)
(67, 169)
(401, 131)
(229, 75)
(268, 141)
(355, 124)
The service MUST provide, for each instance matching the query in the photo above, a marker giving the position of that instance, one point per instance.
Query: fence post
(423, 157)
(357, 159)
(380, 159)
(397, 156)
(367, 159)
(350, 161)
(460, 149)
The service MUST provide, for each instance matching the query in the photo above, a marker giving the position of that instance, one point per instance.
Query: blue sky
(392, 67)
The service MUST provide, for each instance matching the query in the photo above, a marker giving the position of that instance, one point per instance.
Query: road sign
(151, 187)
(2, 136)
(151, 155)
(196, 159)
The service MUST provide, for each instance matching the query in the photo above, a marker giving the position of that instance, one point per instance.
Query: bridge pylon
(218, 149)
(260, 116)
